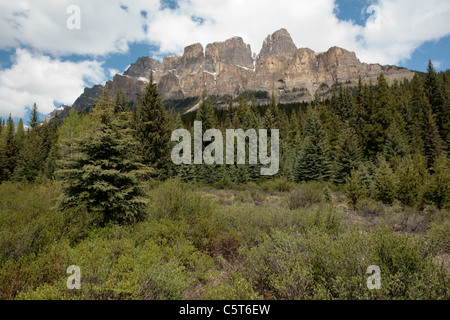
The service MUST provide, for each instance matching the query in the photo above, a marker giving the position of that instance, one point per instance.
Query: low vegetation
(278, 241)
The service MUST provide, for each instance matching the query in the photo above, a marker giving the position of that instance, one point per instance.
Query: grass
(273, 240)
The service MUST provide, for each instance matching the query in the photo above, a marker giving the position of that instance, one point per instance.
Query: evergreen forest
(364, 180)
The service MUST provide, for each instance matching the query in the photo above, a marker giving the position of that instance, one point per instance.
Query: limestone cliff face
(230, 68)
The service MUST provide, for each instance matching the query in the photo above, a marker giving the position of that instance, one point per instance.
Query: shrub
(411, 176)
(234, 287)
(176, 200)
(277, 185)
(437, 186)
(385, 184)
(439, 235)
(355, 189)
(307, 195)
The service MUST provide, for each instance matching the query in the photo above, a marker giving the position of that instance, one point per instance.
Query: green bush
(277, 185)
(176, 200)
(317, 265)
(437, 186)
(307, 195)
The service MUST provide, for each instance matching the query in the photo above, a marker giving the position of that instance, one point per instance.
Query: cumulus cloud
(41, 79)
(109, 26)
(404, 25)
(106, 26)
(392, 32)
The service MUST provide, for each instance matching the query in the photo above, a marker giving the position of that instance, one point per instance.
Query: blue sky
(44, 60)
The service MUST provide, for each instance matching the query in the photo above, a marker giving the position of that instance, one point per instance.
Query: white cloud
(109, 26)
(41, 79)
(404, 25)
(42, 25)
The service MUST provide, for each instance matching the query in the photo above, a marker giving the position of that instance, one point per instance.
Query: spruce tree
(360, 115)
(54, 154)
(426, 138)
(433, 144)
(294, 130)
(71, 129)
(437, 187)
(435, 92)
(34, 117)
(20, 136)
(31, 159)
(385, 183)
(205, 114)
(355, 188)
(272, 114)
(313, 159)
(152, 131)
(120, 104)
(347, 156)
(396, 146)
(10, 151)
(381, 116)
(411, 175)
(103, 174)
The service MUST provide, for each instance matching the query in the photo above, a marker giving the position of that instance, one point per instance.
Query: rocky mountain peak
(279, 43)
(233, 51)
(228, 68)
(142, 67)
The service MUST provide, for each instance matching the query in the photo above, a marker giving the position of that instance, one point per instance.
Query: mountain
(230, 68)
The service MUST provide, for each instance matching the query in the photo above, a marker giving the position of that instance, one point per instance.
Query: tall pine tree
(153, 131)
(313, 159)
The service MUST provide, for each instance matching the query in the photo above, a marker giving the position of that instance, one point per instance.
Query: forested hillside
(364, 180)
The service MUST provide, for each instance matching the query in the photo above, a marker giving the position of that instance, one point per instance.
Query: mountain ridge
(229, 68)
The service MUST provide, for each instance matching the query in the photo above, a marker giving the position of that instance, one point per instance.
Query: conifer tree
(10, 152)
(34, 117)
(71, 129)
(437, 187)
(412, 175)
(355, 188)
(385, 183)
(347, 156)
(103, 174)
(381, 116)
(313, 160)
(294, 130)
(433, 144)
(54, 154)
(20, 137)
(426, 138)
(152, 131)
(120, 104)
(435, 92)
(206, 115)
(360, 115)
(31, 158)
(396, 146)
(332, 125)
